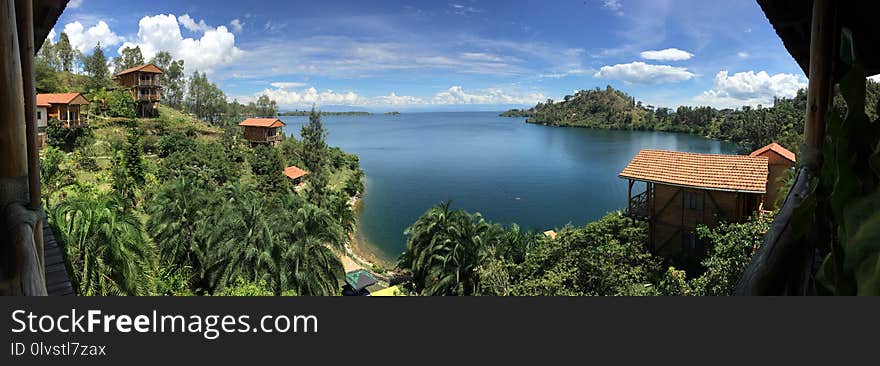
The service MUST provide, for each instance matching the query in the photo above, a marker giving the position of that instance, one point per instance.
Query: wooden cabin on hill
(65, 107)
(686, 190)
(146, 89)
(262, 130)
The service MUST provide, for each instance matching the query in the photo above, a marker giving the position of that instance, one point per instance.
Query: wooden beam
(819, 89)
(25, 16)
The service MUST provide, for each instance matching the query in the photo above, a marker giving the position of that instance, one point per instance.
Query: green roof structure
(360, 279)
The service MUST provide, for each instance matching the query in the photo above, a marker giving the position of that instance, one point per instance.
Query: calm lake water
(510, 171)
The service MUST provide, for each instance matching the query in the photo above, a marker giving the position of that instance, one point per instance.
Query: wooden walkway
(57, 278)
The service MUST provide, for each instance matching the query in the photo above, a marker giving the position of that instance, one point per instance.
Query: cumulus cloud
(237, 25)
(189, 23)
(642, 73)
(287, 96)
(73, 4)
(669, 54)
(215, 48)
(85, 39)
(750, 88)
(50, 38)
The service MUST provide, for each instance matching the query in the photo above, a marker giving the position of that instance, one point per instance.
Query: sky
(454, 55)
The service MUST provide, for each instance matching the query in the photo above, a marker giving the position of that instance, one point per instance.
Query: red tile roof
(293, 172)
(777, 148)
(142, 68)
(44, 100)
(262, 122)
(737, 173)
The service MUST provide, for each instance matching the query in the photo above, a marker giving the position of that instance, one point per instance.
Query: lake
(512, 172)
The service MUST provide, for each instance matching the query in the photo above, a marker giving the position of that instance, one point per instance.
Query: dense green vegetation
(181, 204)
(751, 128)
(452, 252)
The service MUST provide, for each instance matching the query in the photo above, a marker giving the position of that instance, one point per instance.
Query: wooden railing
(639, 206)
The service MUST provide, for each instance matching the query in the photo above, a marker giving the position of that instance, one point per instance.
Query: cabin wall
(256, 134)
(779, 168)
(671, 218)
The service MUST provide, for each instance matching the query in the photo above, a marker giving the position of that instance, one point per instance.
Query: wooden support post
(25, 15)
(819, 89)
(778, 266)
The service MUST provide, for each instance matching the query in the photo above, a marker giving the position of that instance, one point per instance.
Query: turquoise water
(510, 171)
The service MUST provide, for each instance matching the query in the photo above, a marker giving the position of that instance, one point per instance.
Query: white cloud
(613, 5)
(642, 73)
(287, 84)
(236, 25)
(455, 95)
(161, 32)
(669, 54)
(85, 39)
(73, 4)
(742, 55)
(463, 9)
(310, 96)
(189, 23)
(750, 88)
(875, 78)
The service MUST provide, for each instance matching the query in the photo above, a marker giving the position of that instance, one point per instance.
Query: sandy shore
(360, 253)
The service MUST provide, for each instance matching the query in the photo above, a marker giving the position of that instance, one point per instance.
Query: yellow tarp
(390, 291)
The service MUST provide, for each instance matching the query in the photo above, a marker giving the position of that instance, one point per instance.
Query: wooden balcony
(639, 207)
(148, 83)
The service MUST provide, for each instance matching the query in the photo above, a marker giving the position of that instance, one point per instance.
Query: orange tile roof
(44, 100)
(737, 173)
(777, 148)
(293, 172)
(262, 122)
(142, 68)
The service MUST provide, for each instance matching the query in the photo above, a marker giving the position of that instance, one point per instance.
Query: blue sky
(455, 55)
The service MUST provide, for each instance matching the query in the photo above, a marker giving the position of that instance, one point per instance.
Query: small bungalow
(65, 107)
(781, 161)
(295, 174)
(262, 130)
(146, 89)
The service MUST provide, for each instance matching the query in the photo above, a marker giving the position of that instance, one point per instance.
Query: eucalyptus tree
(106, 248)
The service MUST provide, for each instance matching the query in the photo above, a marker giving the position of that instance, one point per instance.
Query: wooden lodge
(295, 174)
(262, 130)
(685, 190)
(65, 107)
(146, 89)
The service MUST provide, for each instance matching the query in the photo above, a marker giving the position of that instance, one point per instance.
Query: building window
(692, 200)
(691, 243)
(39, 114)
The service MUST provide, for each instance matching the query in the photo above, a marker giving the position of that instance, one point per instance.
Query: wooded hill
(750, 127)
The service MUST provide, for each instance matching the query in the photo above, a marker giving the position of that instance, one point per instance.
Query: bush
(114, 103)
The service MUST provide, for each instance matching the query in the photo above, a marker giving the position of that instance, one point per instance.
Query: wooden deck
(57, 278)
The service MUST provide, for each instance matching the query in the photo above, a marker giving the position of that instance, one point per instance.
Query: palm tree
(105, 246)
(179, 225)
(310, 267)
(282, 240)
(445, 248)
